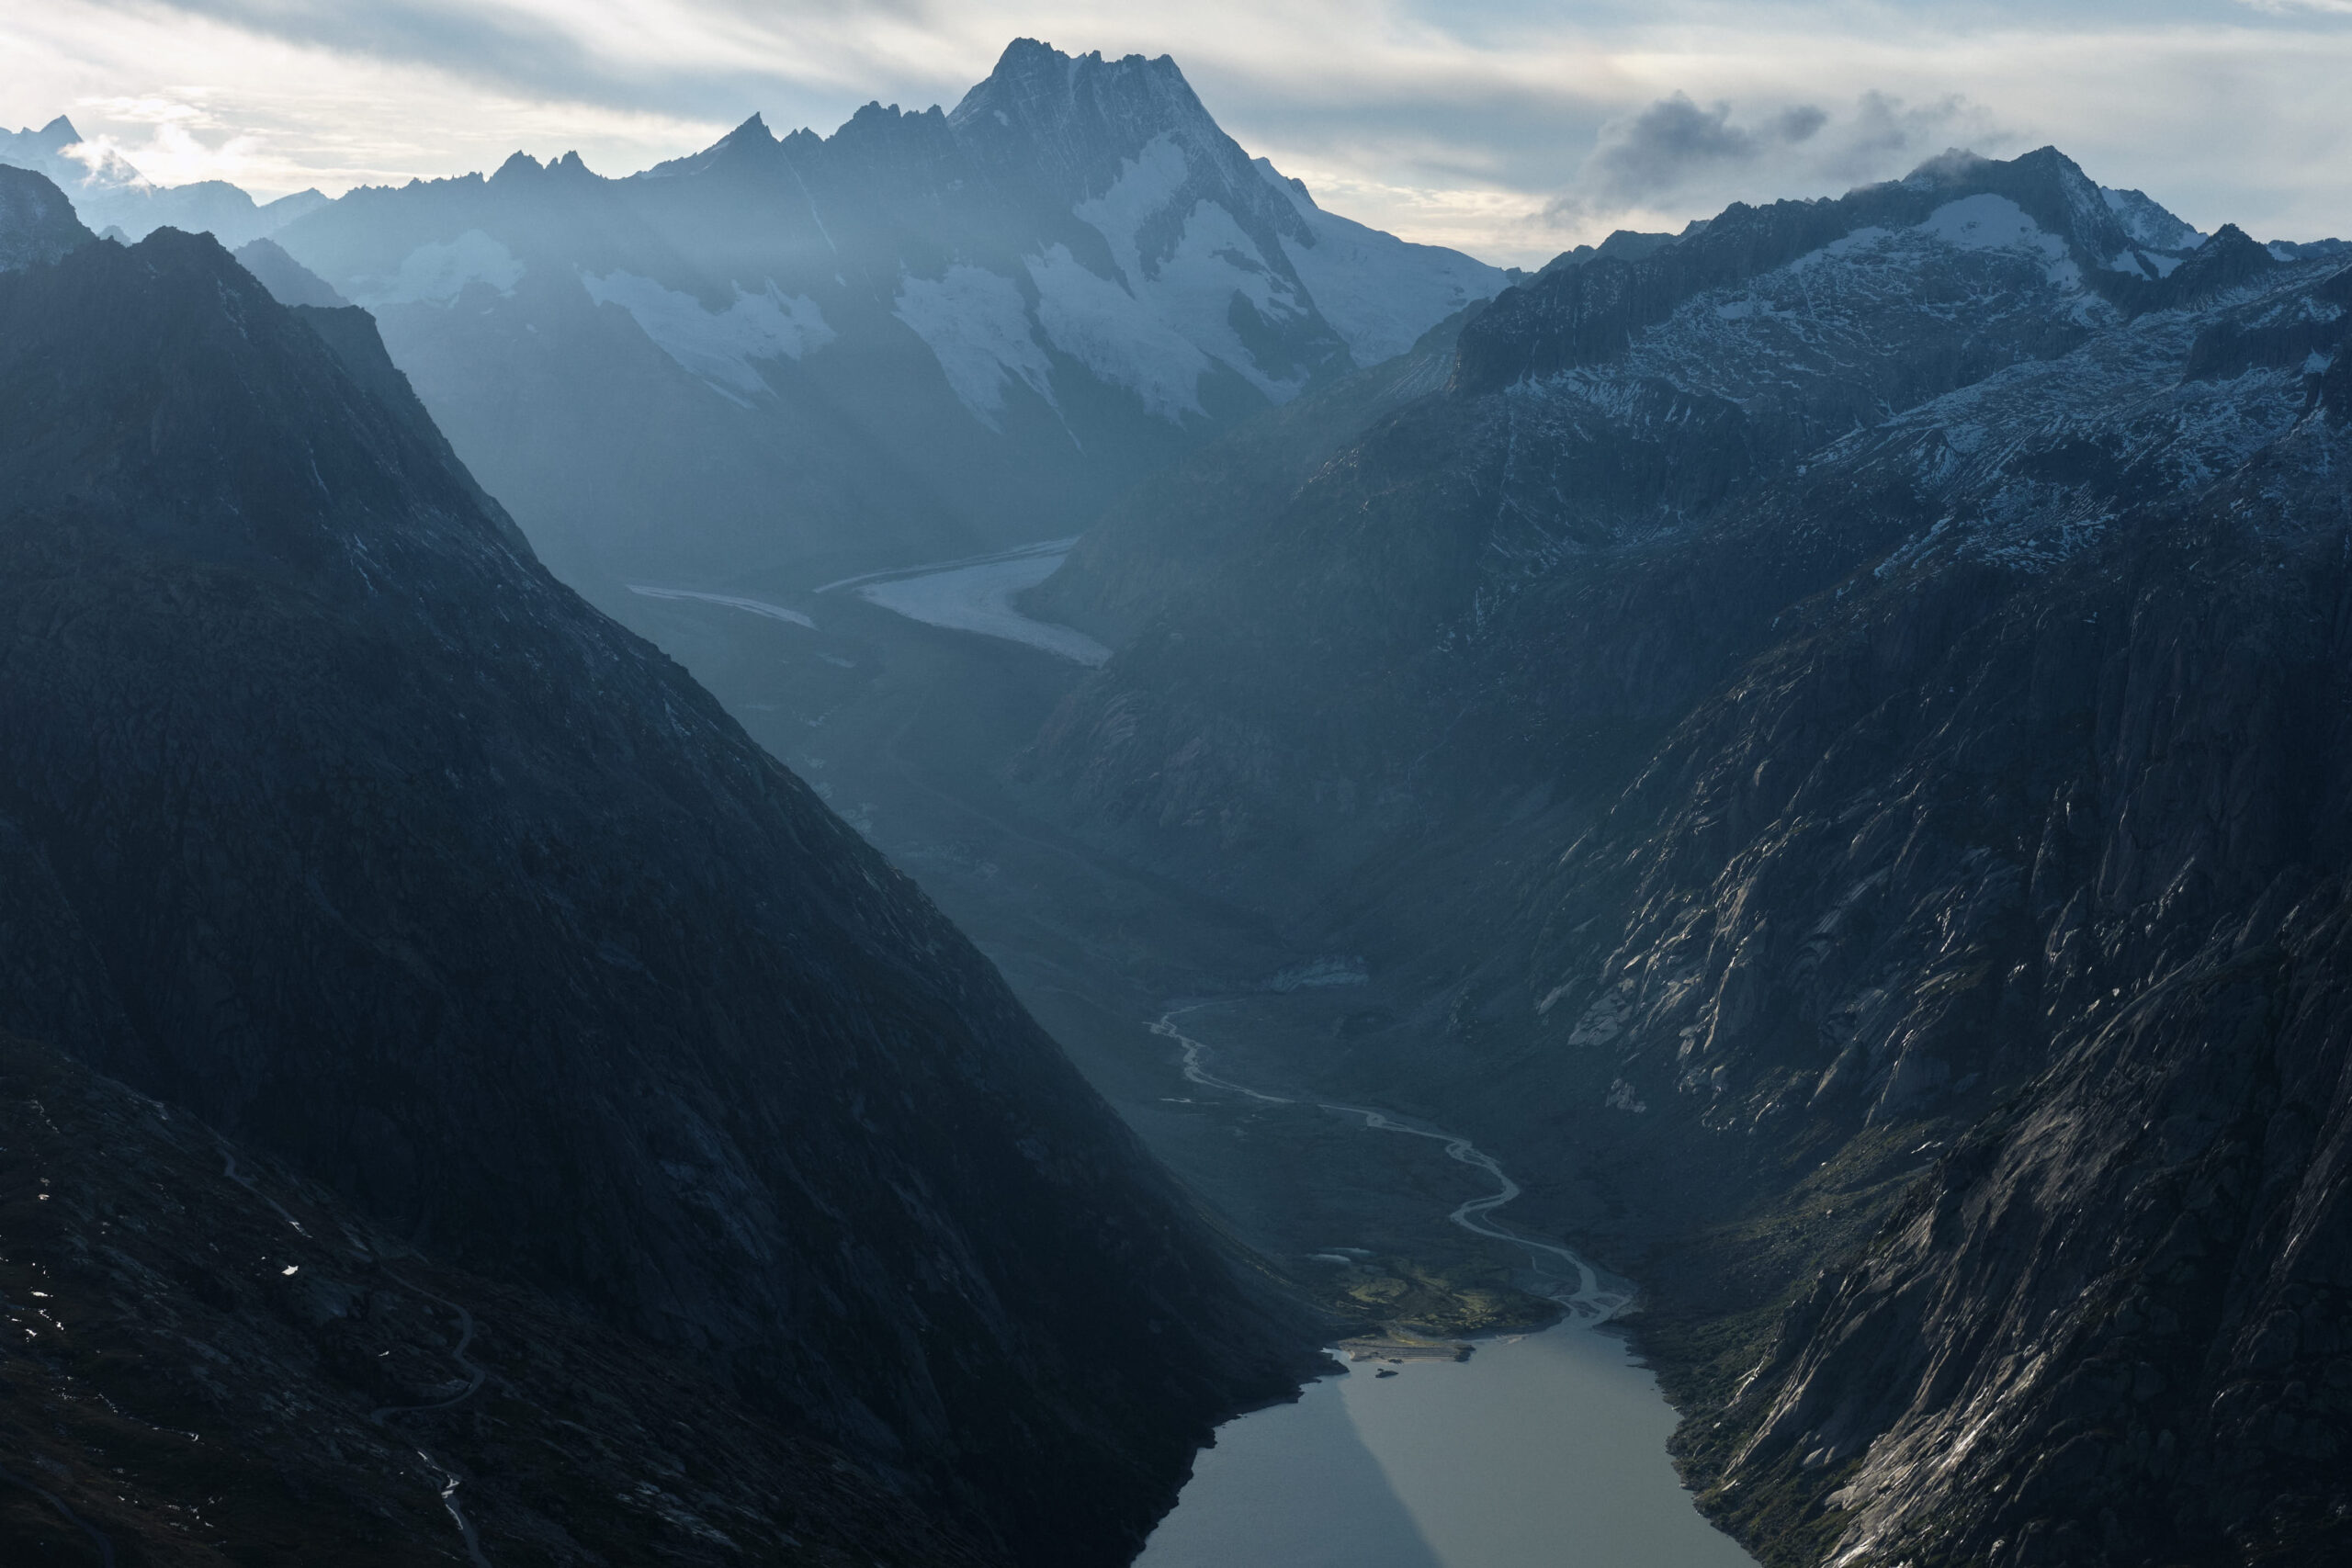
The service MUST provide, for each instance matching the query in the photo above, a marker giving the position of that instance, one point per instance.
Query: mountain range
(1825, 733)
(781, 360)
(109, 192)
(1835, 721)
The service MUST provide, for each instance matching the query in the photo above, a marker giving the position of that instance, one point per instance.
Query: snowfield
(716, 345)
(1379, 292)
(437, 274)
(976, 326)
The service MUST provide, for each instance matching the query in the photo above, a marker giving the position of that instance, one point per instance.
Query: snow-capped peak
(56, 135)
(1074, 124)
(2148, 224)
(58, 151)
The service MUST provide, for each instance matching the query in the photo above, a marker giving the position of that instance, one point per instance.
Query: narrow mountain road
(465, 1364)
(1587, 1299)
(475, 1375)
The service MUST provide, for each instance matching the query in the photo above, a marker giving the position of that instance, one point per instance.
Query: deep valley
(821, 855)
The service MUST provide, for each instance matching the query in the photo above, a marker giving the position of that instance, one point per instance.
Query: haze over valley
(984, 840)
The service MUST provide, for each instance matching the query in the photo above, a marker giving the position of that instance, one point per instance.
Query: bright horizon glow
(1508, 130)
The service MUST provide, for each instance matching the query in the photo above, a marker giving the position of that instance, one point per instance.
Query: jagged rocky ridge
(107, 192)
(327, 814)
(784, 359)
(37, 223)
(1845, 712)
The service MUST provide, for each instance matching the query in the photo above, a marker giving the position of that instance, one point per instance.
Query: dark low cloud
(1884, 130)
(1673, 140)
(1676, 152)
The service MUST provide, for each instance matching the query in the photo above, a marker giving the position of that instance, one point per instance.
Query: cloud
(1505, 127)
(1661, 149)
(1676, 148)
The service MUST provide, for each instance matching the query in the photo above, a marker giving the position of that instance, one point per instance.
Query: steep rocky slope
(1835, 721)
(327, 814)
(37, 224)
(781, 360)
(214, 1361)
(1158, 542)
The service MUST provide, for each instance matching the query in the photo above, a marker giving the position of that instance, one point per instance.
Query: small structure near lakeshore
(1394, 1348)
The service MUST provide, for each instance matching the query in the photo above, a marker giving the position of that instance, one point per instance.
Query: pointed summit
(2228, 259)
(748, 141)
(1037, 85)
(1075, 124)
(37, 223)
(2149, 224)
(46, 150)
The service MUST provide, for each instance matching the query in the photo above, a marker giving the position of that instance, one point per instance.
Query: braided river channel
(1544, 1449)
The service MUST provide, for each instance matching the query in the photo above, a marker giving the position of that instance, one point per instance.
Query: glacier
(716, 345)
(976, 326)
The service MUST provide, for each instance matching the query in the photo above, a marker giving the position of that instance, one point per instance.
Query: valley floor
(910, 731)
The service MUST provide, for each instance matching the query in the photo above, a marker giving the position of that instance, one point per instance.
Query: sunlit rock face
(924, 334)
(1846, 708)
(326, 813)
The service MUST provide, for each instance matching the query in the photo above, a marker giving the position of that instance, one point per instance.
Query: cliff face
(1849, 715)
(2036, 885)
(328, 815)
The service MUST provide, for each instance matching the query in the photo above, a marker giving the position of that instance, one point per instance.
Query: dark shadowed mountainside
(216, 1361)
(328, 815)
(37, 223)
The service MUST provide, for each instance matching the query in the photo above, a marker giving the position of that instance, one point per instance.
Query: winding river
(1543, 1450)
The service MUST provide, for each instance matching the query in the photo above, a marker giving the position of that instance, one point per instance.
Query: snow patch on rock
(1104, 328)
(1214, 262)
(2147, 224)
(718, 346)
(1146, 184)
(976, 326)
(1191, 289)
(1988, 222)
(1380, 293)
(437, 274)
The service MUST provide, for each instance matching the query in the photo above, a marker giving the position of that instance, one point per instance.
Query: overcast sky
(1509, 127)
